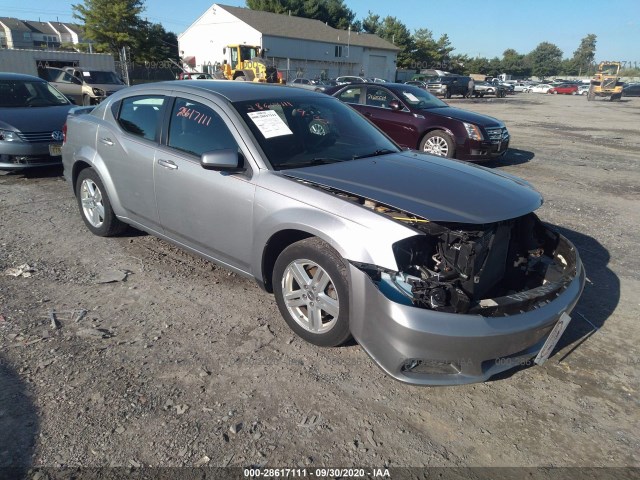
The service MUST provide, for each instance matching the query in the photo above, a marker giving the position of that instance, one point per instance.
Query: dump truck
(244, 62)
(606, 82)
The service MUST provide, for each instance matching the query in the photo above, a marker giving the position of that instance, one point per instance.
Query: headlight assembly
(473, 131)
(9, 136)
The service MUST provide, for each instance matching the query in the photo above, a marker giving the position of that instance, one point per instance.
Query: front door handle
(106, 141)
(367, 114)
(167, 164)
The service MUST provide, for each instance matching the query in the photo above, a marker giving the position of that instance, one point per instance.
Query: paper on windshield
(411, 97)
(269, 123)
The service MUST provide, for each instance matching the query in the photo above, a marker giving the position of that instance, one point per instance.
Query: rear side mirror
(395, 105)
(227, 160)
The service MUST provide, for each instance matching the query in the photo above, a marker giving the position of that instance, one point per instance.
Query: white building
(300, 47)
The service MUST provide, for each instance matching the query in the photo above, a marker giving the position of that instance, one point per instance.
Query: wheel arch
(272, 250)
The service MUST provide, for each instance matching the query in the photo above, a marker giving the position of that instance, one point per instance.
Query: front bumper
(453, 348)
(19, 156)
(478, 151)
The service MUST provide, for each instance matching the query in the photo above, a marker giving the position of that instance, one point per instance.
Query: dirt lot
(177, 362)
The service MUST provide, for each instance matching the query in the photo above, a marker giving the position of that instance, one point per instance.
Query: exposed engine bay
(494, 269)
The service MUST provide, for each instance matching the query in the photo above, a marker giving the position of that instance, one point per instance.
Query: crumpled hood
(34, 119)
(433, 188)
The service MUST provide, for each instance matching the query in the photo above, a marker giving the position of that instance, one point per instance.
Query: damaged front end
(492, 270)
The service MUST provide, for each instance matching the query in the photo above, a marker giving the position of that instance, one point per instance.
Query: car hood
(109, 87)
(433, 188)
(466, 116)
(24, 119)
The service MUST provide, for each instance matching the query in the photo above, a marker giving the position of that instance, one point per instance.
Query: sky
(484, 28)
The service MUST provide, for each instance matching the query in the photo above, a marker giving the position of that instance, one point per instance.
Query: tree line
(113, 24)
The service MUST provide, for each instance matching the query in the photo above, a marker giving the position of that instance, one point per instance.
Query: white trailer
(32, 62)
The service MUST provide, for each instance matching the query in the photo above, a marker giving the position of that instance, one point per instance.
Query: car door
(127, 146)
(398, 124)
(208, 211)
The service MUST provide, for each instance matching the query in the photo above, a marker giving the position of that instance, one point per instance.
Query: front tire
(95, 206)
(438, 143)
(312, 292)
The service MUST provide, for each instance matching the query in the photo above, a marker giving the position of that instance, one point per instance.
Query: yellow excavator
(245, 62)
(606, 82)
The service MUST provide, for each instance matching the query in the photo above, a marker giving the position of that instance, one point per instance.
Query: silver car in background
(440, 270)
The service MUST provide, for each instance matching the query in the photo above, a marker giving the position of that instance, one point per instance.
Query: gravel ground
(129, 352)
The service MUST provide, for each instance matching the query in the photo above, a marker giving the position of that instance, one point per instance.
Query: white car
(307, 84)
(520, 87)
(583, 89)
(541, 88)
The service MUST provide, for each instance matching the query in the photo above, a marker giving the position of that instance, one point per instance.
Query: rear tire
(312, 292)
(95, 207)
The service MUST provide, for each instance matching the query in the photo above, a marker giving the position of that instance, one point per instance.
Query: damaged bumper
(426, 347)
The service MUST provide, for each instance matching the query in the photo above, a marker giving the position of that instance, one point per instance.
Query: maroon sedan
(418, 120)
(566, 88)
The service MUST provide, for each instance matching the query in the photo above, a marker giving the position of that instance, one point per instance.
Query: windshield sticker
(411, 97)
(269, 123)
(195, 115)
(266, 106)
(86, 74)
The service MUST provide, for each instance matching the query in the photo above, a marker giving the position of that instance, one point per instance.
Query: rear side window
(140, 115)
(196, 129)
(379, 97)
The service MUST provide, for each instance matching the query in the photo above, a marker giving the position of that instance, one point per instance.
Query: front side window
(19, 93)
(196, 129)
(351, 95)
(140, 115)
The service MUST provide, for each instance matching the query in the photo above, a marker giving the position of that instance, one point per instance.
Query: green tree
(514, 63)
(110, 24)
(425, 52)
(545, 60)
(154, 43)
(443, 51)
(371, 23)
(585, 53)
(396, 32)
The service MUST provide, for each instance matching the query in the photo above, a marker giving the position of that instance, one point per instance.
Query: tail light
(64, 133)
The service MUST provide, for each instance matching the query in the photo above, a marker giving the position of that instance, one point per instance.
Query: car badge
(57, 135)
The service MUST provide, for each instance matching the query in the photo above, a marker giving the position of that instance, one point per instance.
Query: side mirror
(227, 160)
(395, 105)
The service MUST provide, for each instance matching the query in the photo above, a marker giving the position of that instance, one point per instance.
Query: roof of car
(233, 91)
(19, 76)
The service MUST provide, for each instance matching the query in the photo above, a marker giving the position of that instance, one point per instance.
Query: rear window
(140, 115)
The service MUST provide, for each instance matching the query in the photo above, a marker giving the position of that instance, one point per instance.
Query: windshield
(20, 93)
(248, 53)
(418, 98)
(310, 131)
(95, 76)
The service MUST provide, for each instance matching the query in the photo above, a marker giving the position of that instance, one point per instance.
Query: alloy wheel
(92, 203)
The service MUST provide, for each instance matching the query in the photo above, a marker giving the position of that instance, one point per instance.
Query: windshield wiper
(310, 163)
(383, 151)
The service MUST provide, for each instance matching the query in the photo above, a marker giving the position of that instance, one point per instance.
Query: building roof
(288, 26)
(40, 27)
(14, 24)
(47, 28)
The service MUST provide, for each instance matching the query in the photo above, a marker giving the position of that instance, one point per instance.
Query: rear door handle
(367, 114)
(106, 141)
(167, 164)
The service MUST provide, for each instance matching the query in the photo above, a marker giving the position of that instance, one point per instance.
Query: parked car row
(439, 269)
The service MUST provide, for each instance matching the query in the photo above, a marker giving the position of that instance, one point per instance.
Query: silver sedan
(440, 270)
